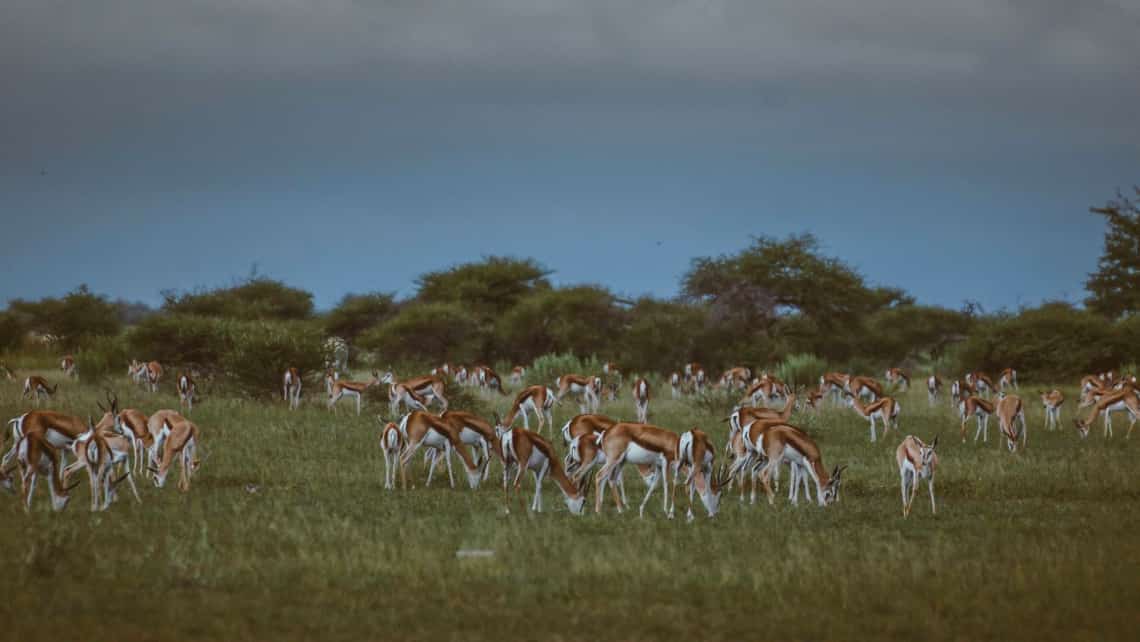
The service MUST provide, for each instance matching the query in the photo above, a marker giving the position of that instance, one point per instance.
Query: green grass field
(1038, 545)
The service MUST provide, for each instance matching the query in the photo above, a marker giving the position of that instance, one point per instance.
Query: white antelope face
(926, 455)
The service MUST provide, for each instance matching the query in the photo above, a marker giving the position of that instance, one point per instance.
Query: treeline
(759, 307)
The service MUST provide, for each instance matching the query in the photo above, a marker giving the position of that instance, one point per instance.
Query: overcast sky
(950, 148)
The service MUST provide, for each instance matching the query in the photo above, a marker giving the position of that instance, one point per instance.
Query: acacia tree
(1114, 289)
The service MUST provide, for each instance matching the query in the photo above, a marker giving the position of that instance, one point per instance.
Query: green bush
(103, 359)
(801, 370)
(258, 298)
(248, 356)
(11, 332)
(426, 332)
(77, 318)
(546, 369)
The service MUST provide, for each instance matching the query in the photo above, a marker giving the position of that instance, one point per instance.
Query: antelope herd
(761, 443)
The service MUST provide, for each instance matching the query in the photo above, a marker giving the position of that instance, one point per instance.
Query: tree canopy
(1114, 288)
(255, 299)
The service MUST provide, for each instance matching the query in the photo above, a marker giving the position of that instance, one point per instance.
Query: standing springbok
(833, 384)
(981, 382)
(933, 386)
(428, 388)
(886, 409)
(391, 442)
(537, 399)
(146, 374)
(37, 388)
(67, 365)
(1008, 379)
(898, 377)
(291, 388)
(187, 390)
(974, 406)
(525, 450)
(612, 370)
(352, 389)
(916, 461)
(641, 399)
(675, 384)
(579, 386)
(99, 450)
(1052, 401)
(864, 387)
(517, 375)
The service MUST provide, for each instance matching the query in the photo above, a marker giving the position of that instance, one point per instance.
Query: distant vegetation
(777, 301)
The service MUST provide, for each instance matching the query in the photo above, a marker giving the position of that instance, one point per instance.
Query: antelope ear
(934, 444)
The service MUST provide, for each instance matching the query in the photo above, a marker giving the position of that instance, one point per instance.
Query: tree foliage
(76, 318)
(1114, 289)
(358, 312)
(426, 333)
(485, 289)
(581, 319)
(257, 298)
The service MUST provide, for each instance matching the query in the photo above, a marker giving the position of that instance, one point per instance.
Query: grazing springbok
(898, 377)
(742, 416)
(579, 386)
(67, 365)
(537, 399)
(641, 399)
(291, 388)
(981, 409)
(351, 389)
(187, 390)
(422, 429)
(428, 388)
(525, 450)
(1052, 401)
(916, 461)
(745, 458)
(488, 379)
(1007, 379)
(40, 439)
(1011, 419)
(476, 433)
(583, 453)
(834, 384)
(886, 409)
(37, 388)
(864, 387)
(391, 442)
(98, 450)
(179, 443)
(933, 386)
(134, 425)
(779, 442)
(1124, 400)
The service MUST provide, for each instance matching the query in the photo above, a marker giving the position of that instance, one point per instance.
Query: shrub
(801, 370)
(103, 359)
(426, 331)
(258, 298)
(546, 369)
(76, 319)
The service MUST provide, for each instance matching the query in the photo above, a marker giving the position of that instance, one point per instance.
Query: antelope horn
(120, 479)
(68, 489)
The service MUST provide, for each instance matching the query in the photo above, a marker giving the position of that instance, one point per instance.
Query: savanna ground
(1038, 545)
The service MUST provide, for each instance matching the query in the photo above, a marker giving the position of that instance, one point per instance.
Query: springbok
(351, 389)
(422, 429)
(763, 391)
(1115, 401)
(641, 399)
(1008, 379)
(180, 444)
(148, 374)
(779, 442)
(737, 377)
(1052, 401)
(291, 388)
(612, 370)
(886, 409)
(834, 384)
(525, 450)
(916, 461)
(675, 384)
(579, 386)
(391, 442)
(974, 406)
(695, 376)
(537, 399)
(1010, 412)
(429, 388)
(864, 387)
(933, 386)
(40, 439)
(98, 450)
(898, 377)
(517, 375)
(476, 433)
(67, 365)
(746, 459)
(187, 390)
(981, 382)
(37, 388)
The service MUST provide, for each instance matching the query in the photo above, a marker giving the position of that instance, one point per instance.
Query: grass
(1040, 545)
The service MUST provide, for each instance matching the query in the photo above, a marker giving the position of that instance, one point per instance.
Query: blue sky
(341, 147)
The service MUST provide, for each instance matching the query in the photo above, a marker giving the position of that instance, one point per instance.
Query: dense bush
(76, 319)
(103, 358)
(258, 298)
(1054, 342)
(11, 332)
(801, 370)
(426, 332)
(546, 369)
(248, 356)
(581, 318)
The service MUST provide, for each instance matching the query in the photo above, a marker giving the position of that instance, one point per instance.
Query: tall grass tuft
(801, 370)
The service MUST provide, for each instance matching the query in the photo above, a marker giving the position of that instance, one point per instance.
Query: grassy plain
(1040, 545)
